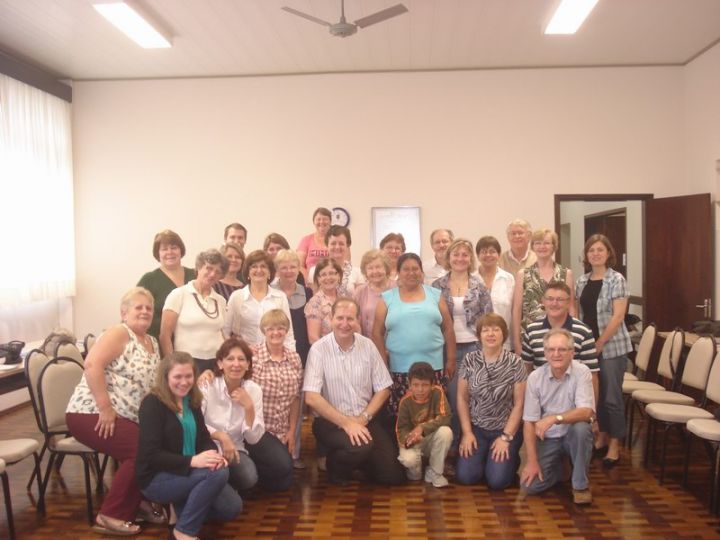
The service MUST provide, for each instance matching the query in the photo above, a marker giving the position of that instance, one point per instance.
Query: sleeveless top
(413, 330)
(128, 379)
(534, 289)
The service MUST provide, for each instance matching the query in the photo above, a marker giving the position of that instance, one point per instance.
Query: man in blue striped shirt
(556, 302)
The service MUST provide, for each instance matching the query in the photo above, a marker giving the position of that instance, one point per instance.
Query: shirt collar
(337, 345)
(522, 259)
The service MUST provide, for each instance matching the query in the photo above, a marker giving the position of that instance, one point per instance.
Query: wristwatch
(366, 415)
(559, 418)
(507, 437)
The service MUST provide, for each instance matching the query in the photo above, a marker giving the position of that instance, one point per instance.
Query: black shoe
(609, 463)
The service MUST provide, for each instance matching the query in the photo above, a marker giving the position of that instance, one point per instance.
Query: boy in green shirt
(423, 426)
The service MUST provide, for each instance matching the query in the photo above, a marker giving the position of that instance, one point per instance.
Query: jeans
(298, 428)
(243, 474)
(578, 444)
(497, 474)
(378, 456)
(273, 462)
(461, 349)
(202, 494)
(611, 406)
(435, 446)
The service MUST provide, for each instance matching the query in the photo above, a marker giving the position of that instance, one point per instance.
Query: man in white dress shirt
(347, 383)
(440, 240)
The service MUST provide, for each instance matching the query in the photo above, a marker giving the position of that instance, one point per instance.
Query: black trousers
(378, 457)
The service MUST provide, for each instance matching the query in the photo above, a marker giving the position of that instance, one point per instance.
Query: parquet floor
(628, 503)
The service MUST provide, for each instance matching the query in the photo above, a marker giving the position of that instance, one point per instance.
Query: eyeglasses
(556, 299)
(488, 251)
(557, 350)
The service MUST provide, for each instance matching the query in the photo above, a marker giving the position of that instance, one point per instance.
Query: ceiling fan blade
(305, 16)
(380, 16)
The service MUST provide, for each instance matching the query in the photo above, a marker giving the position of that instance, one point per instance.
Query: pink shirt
(314, 252)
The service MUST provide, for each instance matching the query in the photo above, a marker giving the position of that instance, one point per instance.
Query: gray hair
(518, 222)
(212, 256)
(559, 332)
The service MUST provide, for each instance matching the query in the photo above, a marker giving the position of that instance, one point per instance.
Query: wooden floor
(628, 503)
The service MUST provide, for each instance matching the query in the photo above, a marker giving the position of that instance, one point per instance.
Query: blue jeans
(578, 444)
(200, 495)
(611, 404)
(243, 474)
(273, 462)
(461, 349)
(497, 474)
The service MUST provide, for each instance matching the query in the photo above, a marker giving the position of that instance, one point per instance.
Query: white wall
(474, 149)
(702, 137)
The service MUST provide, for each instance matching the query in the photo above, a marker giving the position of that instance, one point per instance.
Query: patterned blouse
(490, 387)
(128, 379)
(318, 308)
(534, 289)
(281, 382)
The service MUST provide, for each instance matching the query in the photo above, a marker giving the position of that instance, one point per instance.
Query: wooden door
(679, 260)
(612, 224)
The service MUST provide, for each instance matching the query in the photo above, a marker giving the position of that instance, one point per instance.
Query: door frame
(598, 197)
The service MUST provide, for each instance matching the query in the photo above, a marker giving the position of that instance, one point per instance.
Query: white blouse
(244, 313)
(223, 414)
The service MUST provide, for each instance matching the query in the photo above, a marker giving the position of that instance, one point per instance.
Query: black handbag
(11, 352)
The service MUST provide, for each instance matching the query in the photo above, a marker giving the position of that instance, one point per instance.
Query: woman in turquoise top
(413, 324)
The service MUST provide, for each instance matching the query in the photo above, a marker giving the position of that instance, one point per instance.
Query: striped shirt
(491, 386)
(533, 350)
(346, 379)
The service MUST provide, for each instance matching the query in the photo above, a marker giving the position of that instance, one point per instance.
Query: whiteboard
(396, 219)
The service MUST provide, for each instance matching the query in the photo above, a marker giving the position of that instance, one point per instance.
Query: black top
(299, 326)
(161, 441)
(588, 303)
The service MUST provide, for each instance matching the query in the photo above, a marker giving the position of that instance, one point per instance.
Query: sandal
(151, 513)
(120, 528)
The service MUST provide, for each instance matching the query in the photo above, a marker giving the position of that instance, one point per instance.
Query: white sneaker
(437, 480)
(414, 473)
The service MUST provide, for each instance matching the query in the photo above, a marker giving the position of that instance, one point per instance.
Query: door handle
(706, 307)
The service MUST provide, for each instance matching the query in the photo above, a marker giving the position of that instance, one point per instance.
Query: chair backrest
(88, 343)
(712, 392)
(698, 363)
(69, 350)
(670, 356)
(644, 351)
(35, 361)
(56, 385)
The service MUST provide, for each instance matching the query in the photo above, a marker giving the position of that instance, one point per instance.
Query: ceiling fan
(344, 28)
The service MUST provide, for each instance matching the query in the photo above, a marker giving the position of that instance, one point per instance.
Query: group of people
(200, 392)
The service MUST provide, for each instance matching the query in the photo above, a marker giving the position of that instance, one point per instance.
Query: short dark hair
(612, 258)
(255, 257)
(322, 211)
(558, 286)
(170, 238)
(275, 238)
(422, 371)
(321, 265)
(393, 237)
(409, 255)
(338, 230)
(228, 345)
(235, 226)
(487, 242)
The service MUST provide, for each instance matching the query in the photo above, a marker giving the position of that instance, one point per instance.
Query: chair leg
(41, 499)
(631, 419)
(666, 433)
(649, 446)
(8, 505)
(48, 471)
(88, 488)
(100, 470)
(686, 464)
(715, 491)
(32, 476)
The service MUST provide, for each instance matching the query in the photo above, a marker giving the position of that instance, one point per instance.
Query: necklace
(209, 314)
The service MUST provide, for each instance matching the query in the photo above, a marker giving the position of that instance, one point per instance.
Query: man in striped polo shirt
(556, 302)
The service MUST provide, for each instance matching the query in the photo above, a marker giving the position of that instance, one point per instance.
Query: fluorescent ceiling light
(138, 26)
(569, 15)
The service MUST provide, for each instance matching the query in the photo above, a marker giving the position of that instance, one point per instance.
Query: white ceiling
(253, 37)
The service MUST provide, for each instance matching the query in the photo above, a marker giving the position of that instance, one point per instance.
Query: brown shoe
(582, 496)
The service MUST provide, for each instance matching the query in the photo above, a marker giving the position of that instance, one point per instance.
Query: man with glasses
(556, 302)
(519, 255)
(440, 240)
(558, 412)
